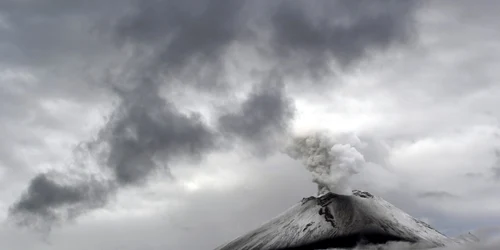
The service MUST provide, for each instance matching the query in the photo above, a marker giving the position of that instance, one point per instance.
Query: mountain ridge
(339, 221)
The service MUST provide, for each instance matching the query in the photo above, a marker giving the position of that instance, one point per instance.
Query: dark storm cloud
(39, 205)
(304, 37)
(186, 30)
(145, 126)
(44, 46)
(52, 31)
(45, 193)
(265, 113)
(143, 135)
(437, 195)
(183, 37)
(180, 38)
(307, 37)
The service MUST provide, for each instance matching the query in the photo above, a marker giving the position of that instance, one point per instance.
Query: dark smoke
(146, 125)
(262, 118)
(40, 206)
(185, 36)
(142, 135)
(45, 194)
(309, 37)
(188, 40)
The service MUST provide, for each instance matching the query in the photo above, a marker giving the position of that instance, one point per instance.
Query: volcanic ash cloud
(331, 160)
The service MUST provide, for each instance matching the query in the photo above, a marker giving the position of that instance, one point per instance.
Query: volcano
(341, 221)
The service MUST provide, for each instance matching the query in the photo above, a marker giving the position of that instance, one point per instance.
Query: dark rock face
(362, 194)
(337, 221)
(348, 241)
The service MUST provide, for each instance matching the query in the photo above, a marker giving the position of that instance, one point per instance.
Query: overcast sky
(160, 124)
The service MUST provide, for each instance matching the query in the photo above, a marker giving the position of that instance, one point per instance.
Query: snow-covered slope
(333, 220)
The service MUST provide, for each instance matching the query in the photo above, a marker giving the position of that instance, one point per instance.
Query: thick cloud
(45, 193)
(185, 30)
(182, 45)
(309, 37)
(145, 126)
(38, 208)
(432, 105)
(298, 37)
(48, 32)
(142, 135)
(262, 118)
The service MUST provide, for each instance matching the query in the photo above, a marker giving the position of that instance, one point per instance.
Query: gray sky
(160, 124)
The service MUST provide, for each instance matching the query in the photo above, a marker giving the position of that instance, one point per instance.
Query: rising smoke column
(330, 161)
(189, 40)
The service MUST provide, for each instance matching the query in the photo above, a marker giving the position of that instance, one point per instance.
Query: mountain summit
(339, 221)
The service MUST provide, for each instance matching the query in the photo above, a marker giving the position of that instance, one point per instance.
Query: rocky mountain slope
(340, 221)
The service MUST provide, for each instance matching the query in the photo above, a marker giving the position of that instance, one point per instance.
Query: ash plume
(182, 45)
(263, 118)
(330, 161)
(146, 126)
(142, 135)
(309, 38)
(39, 207)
